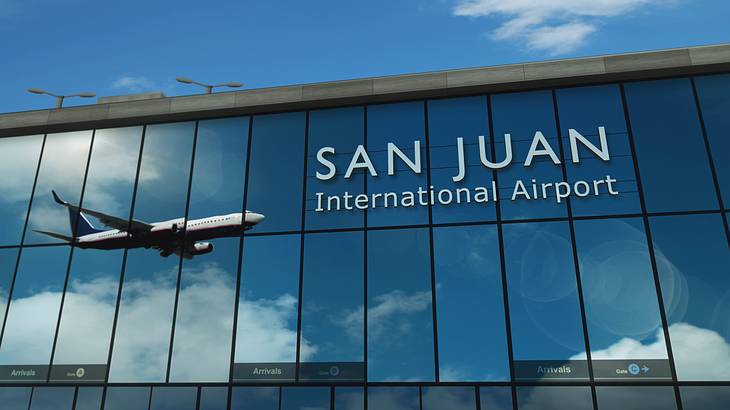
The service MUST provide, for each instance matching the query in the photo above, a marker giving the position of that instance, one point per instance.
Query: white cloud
(135, 84)
(551, 26)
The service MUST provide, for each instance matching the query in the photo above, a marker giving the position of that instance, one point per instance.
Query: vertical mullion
(366, 176)
(301, 248)
(574, 246)
(182, 252)
(650, 245)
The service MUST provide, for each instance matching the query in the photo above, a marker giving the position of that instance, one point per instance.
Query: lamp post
(60, 98)
(208, 87)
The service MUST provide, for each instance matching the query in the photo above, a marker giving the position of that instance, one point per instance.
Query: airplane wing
(135, 227)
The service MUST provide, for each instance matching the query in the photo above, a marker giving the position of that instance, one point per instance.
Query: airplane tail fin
(57, 236)
(80, 225)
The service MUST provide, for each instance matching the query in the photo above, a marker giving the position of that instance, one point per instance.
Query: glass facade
(557, 248)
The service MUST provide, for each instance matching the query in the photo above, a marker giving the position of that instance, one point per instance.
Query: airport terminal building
(548, 235)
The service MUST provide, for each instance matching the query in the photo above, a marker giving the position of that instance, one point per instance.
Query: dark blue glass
(470, 310)
(52, 398)
(449, 119)
(553, 397)
(213, 398)
(393, 398)
(399, 322)
(332, 305)
(127, 398)
(401, 124)
(522, 115)
(585, 109)
(174, 398)
(62, 169)
(495, 398)
(18, 157)
(622, 311)
(692, 259)
(8, 259)
(89, 398)
(714, 95)
(545, 317)
(255, 398)
(705, 397)
(305, 398)
(275, 181)
(670, 149)
(349, 398)
(448, 398)
(344, 130)
(635, 398)
(15, 398)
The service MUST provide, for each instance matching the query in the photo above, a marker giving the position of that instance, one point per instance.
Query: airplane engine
(201, 248)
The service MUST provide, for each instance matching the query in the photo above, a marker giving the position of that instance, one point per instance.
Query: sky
(116, 48)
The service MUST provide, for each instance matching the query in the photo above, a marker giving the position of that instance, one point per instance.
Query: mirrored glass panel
(127, 398)
(403, 125)
(670, 149)
(495, 398)
(636, 398)
(469, 292)
(554, 398)
(713, 92)
(8, 259)
(32, 315)
(393, 398)
(18, 157)
(255, 398)
(174, 398)
(89, 398)
(213, 398)
(529, 118)
(399, 322)
(448, 398)
(52, 398)
(334, 136)
(457, 167)
(705, 397)
(275, 173)
(266, 334)
(692, 258)
(349, 398)
(624, 324)
(545, 315)
(62, 170)
(583, 111)
(332, 307)
(305, 398)
(15, 398)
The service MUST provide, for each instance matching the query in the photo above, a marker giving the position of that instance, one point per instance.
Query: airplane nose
(254, 218)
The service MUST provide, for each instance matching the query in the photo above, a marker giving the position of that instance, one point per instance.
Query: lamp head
(184, 80)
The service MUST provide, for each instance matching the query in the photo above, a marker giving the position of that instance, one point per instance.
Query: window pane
(714, 94)
(692, 259)
(495, 398)
(342, 129)
(204, 325)
(549, 398)
(705, 397)
(449, 119)
(393, 398)
(669, 146)
(8, 258)
(89, 398)
(400, 328)
(32, 315)
(15, 398)
(635, 398)
(255, 398)
(213, 398)
(522, 115)
(266, 337)
(547, 327)
(401, 124)
(275, 172)
(174, 398)
(18, 157)
(584, 109)
(448, 398)
(52, 398)
(127, 398)
(142, 338)
(469, 292)
(349, 398)
(624, 325)
(305, 398)
(332, 321)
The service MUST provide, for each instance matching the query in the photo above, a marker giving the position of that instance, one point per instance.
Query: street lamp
(208, 87)
(59, 98)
